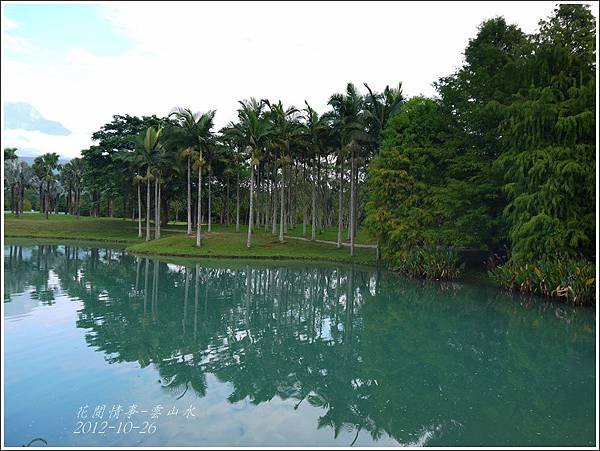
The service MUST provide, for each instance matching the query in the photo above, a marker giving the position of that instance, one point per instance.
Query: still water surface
(105, 348)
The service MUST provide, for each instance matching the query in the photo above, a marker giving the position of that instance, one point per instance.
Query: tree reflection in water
(377, 353)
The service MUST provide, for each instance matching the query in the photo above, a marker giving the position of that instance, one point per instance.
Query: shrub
(428, 263)
(570, 279)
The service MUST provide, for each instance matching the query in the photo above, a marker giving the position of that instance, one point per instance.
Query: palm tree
(10, 174)
(316, 127)
(381, 107)
(147, 155)
(193, 135)
(77, 170)
(253, 163)
(137, 181)
(349, 122)
(45, 167)
(199, 165)
(232, 136)
(285, 128)
(66, 180)
(23, 176)
(253, 130)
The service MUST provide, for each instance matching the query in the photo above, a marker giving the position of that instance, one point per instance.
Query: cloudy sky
(66, 69)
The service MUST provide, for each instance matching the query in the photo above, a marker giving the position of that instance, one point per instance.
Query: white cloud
(9, 41)
(210, 55)
(34, 143)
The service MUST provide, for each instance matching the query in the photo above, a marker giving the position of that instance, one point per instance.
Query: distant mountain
(25, 116)
(29, 160)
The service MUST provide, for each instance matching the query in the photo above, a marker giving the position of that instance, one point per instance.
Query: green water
(274, 353)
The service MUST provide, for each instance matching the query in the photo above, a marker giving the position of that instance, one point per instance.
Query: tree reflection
(376, 353)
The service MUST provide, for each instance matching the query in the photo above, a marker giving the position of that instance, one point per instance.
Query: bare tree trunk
(274, 216)
(21, 195)
(356, 202)
(189, 195)
(209, 199)
(237, 203)
(352, 200)
(139, 211)
(340, 201)
(47, 199)
(314, 209)
(227, 216)
(17, 199)
(288, 216)
(251, 213)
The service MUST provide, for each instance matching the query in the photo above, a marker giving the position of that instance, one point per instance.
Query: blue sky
(52, 29)
(78, 65)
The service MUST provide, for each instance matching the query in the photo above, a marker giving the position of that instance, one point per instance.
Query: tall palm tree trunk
(209, 199)
(158, 211)
(274, 217)
(340, 202)
(78, 202)
(352, 200)
(21, 195)
(281, 204)
(156, 232)
(251, 213)
(47, 199)
(269, 196)
(148, 205)
(313, 225)
(257, 196)
(139, 211)
(12, 198)
(199, 209)
(227, 213)
(189, 195)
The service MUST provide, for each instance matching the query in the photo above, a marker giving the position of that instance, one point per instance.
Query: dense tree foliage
(505, 158)
(549, 135)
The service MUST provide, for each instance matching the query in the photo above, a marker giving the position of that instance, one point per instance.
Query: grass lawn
(35, 225)
(222, 242)
(264, 245)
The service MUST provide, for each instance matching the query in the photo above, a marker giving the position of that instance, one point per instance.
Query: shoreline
(127, 244)
(471, 277)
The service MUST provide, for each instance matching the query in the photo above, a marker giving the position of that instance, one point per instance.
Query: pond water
(105, 348)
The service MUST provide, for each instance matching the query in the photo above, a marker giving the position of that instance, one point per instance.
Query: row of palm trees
(51, 180)
(291, 162)
(277, 145)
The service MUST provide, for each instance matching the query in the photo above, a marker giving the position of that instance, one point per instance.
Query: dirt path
(366, 246)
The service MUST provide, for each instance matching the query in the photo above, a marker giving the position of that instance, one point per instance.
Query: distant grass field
(222, 242)
(264, 245)
(35, 225)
